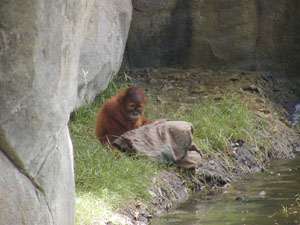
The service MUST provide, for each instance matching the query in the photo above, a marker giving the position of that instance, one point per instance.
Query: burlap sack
(163, 141)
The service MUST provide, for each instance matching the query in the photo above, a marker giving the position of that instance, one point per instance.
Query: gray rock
(258, 35)
(102, 50)
(39, 51)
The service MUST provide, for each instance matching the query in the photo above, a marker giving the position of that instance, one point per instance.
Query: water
(255, 199)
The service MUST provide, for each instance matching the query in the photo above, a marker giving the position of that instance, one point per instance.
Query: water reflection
(256, 199)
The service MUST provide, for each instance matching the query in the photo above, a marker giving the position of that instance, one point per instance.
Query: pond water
(257, 198)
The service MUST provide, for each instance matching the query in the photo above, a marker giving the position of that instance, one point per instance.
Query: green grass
(105, 181)
(217, 123)
(101, 171)
(293, 209)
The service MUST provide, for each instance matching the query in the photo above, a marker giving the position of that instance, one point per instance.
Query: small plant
(293, 209)
(285, 210)
(298, 200)
(127, 77)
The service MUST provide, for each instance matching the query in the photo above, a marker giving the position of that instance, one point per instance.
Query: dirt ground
(271, 98)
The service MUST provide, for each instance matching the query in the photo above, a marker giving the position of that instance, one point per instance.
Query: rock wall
(259, 35)
(102, 51)
(39, 52)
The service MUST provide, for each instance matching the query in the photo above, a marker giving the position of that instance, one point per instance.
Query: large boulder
(278, 38)
(215, 34)
(39, 53)
(102, 50)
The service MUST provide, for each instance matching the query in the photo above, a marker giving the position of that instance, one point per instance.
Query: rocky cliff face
(40, 46)
(39, 51)
(259, 35)
(103, 47)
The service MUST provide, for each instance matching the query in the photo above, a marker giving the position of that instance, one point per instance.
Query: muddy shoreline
(271, 98)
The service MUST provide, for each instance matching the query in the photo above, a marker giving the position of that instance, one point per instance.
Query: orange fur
(112, 119)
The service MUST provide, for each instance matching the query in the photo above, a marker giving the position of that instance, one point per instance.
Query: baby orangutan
(120, 114)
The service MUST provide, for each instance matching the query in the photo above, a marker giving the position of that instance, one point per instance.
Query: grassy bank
(218, 123)
(105, 182)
